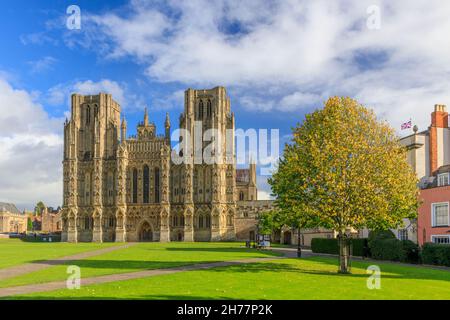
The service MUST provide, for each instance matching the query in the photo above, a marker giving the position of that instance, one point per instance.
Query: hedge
(394, 250)
(438, 254)
(331, 246)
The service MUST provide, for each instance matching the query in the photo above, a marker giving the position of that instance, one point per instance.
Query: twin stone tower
(119, 188)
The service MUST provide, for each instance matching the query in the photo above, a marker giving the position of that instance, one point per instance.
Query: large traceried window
(146, 184)
(156, 185)
(440, 216)
(135, 185)
(443, 179)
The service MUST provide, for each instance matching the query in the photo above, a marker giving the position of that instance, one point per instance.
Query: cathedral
(120, 188)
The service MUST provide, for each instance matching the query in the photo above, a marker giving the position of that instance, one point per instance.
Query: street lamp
(299, 247)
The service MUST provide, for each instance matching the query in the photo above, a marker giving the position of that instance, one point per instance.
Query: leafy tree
(38, 208)
(269, 221)
(29, 224)
(345, 171)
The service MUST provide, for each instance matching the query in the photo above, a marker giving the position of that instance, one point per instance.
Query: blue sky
(278, 59)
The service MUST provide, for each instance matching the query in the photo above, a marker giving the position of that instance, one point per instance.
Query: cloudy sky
(278, 59)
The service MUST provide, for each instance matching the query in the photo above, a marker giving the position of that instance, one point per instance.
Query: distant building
(51, 220)
(11, 219)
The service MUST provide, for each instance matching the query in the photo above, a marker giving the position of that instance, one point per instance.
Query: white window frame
(433, 223)
(405, 230)
(443, 176)
(439, 236)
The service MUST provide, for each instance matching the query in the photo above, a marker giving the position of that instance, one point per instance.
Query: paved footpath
(15, 271)
(50, 286)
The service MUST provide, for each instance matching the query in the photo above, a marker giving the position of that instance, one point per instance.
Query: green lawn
(312, 278)
(14, 251)
(142, 256)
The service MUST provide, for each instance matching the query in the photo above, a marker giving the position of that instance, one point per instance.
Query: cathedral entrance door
(146, 234)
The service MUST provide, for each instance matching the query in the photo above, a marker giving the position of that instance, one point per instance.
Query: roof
(8, 207)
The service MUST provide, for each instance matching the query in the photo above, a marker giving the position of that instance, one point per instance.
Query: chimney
(439, 119)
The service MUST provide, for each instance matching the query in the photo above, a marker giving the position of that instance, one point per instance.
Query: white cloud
(291, 55)
(30, 150)
(42, 65)
(60, 94)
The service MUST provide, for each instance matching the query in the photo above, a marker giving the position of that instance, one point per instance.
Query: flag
(406, 125)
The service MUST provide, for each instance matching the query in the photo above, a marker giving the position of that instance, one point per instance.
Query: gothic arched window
(135, 185)
(88, 114)
(200, 109)
(146, 184)
(200, 222)
(241, 196)
(208, 221)
(87, 222)
(209, 109)
(156, 185)
(95, 111)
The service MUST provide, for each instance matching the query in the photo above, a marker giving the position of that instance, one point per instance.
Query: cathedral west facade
(120, 188)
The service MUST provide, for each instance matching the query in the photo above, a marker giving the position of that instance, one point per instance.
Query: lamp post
(299, 247)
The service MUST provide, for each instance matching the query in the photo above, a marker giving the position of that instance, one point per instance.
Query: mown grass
(310, 278)
(15, 251)
(143, 256)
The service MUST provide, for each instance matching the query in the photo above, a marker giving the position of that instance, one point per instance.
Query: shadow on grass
(223, 250)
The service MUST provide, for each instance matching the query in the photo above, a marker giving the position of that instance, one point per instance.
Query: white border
(439, 235)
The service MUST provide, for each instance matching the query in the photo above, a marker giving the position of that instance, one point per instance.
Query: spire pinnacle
(145, 117)
(167, 122)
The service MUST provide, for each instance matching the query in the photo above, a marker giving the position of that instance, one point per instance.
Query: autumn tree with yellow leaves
(345, 171)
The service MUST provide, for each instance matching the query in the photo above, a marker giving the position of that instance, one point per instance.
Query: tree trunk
(344, 253)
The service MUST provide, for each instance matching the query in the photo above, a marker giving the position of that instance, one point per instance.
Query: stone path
(15, 271)
(50, 286)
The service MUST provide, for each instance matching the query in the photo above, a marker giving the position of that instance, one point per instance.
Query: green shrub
(323, 245)
(411, 251)
(394, 250)
(438, 254)
(331, 246)
(380, 235)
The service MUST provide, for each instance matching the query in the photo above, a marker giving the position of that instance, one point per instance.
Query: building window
(403, 234)
(440, 239)
(111, 222)
(241, 196)
(87, 222)
(145, 184)
(208, 221)
(440, 215)
(200, 222)
(135, 185)
(209, 109)
(156, 185)
(442, 179)
(200, 109)
(88, 114)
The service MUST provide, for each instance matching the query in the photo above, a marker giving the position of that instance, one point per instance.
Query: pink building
(429, 155)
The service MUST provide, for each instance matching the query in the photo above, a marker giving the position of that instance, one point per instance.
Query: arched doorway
(287, 237)
(145, 233)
